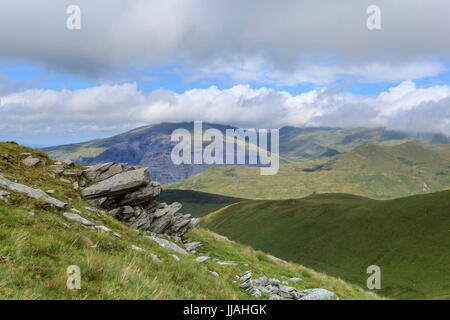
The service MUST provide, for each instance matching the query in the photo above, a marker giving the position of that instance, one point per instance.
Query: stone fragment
(227, 263)
(175, 257)
(78, 218)
(316, 294)
(106, 229)
(56, 168)
(201, 259)
(72, 172)
(193, 246)
(33, 193)
(155, 258)
(245, 277)
(30, 162)
(295, 279)
(168, 244)
(145, 194)
(136, 248)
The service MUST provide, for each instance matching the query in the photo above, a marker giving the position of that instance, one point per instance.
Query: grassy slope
(35, 251)
(383, 172)
(409, 238)
(197, 203)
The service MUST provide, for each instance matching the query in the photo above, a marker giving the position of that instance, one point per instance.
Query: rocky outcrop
(278, 291)
(128, 193)
(118, 184)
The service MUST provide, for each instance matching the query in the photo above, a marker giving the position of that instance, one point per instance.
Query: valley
(374, 171)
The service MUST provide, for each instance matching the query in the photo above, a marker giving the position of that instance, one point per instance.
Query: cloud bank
(122, 107)
(253, 40)
(256, 42)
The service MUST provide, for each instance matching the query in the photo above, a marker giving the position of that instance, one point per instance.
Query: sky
(253, 63)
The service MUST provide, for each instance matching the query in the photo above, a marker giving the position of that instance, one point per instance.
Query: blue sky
(28, 75)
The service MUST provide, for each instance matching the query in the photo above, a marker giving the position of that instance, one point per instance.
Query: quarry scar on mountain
(189, 147)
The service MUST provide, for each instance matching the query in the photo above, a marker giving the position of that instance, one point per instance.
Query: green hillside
(37, 244)
(375, 171)
(197, 203)
(341, 235)
(302, 144)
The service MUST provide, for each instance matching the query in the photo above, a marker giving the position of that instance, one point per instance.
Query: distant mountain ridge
(150, 146)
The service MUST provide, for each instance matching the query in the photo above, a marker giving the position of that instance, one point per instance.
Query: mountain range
(151, 146)
(375, 171)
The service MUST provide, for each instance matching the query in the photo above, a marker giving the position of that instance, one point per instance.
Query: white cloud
(121, 107)
(253, 40)
(258, 70)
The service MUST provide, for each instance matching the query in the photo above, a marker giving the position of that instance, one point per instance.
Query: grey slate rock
(33, 193)
(56, 168)
(142, 195)
(106, 229)
(245, 277)
(227, 263)
(155, 258)
(129, 195)
(175, 257)
(316, 294)
(136, 248)
(191, 246)
(168, 244)
(30, 162)
(118, 184)
(72, 173)
(78, 218)
(201, 259)
(287, 289)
